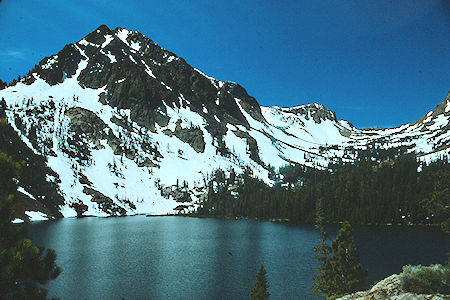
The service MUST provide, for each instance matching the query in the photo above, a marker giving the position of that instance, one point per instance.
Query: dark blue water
(188, 258)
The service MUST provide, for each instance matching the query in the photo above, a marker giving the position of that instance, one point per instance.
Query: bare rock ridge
(134, 70)
(316, 111)
(440, 109)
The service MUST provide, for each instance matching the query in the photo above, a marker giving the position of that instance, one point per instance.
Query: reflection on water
(188, 258)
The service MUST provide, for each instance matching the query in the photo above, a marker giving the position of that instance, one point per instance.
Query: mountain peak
(139, 75)
(97, 35)
(442, 108)
(315, 110)
(103, 28)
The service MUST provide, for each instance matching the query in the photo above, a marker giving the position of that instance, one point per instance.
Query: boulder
(390, 288)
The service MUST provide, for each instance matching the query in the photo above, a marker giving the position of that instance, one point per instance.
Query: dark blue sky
(376, 63)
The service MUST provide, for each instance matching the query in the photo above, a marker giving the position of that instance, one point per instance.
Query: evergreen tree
(22, 265)
(323, 251)
(260, 288)
(437, 205)
(349, 274)
(365, 192)
(341, 271)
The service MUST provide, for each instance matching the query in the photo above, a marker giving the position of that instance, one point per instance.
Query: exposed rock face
(86, 122)
(79, 207)
(105, 203)
(25, 203)
(390, 288)
(181, 195)
(440, 109)
(193, 136)
(251, 144)
(315, 110)
(54, 68)
(122, 64)
(148, 163)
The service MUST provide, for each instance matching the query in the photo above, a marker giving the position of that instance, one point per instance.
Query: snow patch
(148, 70)
(50, 62)
(111, 57)
(22, 190)
(122, 34)
(36, 216)
(171, 58)
(135, 45)
(108, 39)
(132, 59)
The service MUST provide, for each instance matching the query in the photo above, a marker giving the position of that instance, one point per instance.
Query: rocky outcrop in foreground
(391, 288)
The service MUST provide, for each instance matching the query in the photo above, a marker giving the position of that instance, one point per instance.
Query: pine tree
(323, 251)
(437, 205)
(22, 265)
(341, 271)
(349, 274)
(260, 288)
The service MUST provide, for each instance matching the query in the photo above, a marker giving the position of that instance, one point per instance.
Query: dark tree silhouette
(22, 266)
(260, 288)
(341, 271)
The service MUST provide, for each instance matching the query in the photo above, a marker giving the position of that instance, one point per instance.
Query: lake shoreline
(288, 221)
(273, 220)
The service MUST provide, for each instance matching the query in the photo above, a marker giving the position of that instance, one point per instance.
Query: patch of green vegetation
(434, 279)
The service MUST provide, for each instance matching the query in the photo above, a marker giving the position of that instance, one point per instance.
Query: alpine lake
(139, 257)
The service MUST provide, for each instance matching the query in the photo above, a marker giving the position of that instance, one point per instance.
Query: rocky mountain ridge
(129, 127)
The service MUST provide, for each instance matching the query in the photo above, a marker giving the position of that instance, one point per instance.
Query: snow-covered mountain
(128, 127)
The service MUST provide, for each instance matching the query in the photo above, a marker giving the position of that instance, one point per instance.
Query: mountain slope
(130, 128)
